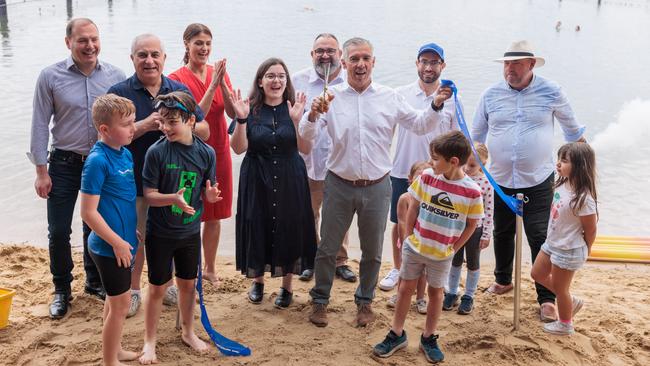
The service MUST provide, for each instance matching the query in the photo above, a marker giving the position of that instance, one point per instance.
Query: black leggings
(472, 250)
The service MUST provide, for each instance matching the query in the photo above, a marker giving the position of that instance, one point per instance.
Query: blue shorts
(399, 186)
(568, 259)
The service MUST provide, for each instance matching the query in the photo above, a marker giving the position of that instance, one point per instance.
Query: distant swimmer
(558, 25)
(578, 28)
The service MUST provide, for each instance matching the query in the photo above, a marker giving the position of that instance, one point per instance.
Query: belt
(70, 156)
(360, 182)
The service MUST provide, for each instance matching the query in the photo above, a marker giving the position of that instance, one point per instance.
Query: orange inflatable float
(621, 249)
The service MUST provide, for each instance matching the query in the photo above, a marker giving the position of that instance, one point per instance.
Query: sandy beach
(612, 329)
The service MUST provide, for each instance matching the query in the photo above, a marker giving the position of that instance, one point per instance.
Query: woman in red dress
(211, 86)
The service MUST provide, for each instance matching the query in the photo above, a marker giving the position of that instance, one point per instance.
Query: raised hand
(179, 200)
(443, 93)
(218, 74)
(123, 254)
(320, 104)
(298, 108)
(241, 106)
(212, 192)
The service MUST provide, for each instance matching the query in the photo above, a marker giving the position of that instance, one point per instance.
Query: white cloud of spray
(630, 131)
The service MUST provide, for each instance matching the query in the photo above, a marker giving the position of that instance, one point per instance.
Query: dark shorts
(185, 253)
(116, 280)
(399, 186)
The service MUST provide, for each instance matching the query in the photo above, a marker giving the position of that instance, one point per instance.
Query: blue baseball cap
(432, 47)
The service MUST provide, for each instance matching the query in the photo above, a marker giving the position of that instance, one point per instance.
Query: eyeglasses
(426, 63)
(322, 51)
(271, 77)
(170, 104)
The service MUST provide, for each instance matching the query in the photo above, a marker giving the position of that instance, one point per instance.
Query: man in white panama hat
(516, 117)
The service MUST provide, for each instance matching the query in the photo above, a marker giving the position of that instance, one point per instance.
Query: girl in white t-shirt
(571, 231)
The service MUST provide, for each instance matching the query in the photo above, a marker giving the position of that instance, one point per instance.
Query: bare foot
(212, 277)
(194, 342)
(124, 355)
(148, 354)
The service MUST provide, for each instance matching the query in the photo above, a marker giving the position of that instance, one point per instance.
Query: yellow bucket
(6, 294)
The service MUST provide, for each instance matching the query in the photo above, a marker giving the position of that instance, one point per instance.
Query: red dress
(218, 139)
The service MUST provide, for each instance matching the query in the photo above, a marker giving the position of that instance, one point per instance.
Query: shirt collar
(532, 83)
(370, 88)
(165, 86)
(69, 63)
(416, 88)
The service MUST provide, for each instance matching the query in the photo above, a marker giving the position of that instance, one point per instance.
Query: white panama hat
(520, 50)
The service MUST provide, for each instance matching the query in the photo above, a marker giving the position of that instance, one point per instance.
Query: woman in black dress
(274, 221)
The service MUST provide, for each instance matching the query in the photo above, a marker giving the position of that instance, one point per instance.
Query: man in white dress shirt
(361, 122)
(410, 147)
(311, 81)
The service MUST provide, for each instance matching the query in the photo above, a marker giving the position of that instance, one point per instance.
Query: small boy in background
(108, 207)
(177, 173)
(479, 240)
(403, 203)
(448, 210)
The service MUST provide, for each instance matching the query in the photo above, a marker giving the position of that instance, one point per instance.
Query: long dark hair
(256, 96)
(583, 173)
(192, 31)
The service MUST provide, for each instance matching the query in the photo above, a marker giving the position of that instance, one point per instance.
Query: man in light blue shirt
(64, 94)
(516, 117)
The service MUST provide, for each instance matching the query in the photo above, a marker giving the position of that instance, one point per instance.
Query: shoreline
(613, 329)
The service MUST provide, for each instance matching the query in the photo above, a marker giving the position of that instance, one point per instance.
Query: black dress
(274, 221)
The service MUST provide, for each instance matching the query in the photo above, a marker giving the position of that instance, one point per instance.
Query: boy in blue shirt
(177, 173)
(108, 207)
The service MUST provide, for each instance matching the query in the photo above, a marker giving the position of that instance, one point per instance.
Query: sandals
(498, 289)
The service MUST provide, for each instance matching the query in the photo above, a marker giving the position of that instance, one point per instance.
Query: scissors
(327, 79)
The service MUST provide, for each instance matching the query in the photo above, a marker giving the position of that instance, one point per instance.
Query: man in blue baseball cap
(412, 148)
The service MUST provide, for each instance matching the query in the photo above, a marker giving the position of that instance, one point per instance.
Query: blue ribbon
(227, 346)
(516, 206)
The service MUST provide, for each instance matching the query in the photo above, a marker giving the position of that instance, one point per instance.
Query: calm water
(603, 68)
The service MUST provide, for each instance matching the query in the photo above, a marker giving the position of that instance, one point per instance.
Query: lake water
(603, 68)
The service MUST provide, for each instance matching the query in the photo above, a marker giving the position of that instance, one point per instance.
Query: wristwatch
(242, 120)
(437, 109)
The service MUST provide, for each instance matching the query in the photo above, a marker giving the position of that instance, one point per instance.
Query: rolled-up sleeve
(564, 115)
(43, 109)
(309, 130)
(480, 123)
(419, 122)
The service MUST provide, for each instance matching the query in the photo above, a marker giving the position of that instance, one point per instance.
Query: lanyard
(227, 346)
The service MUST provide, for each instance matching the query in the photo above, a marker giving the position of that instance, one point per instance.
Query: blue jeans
(65, 171)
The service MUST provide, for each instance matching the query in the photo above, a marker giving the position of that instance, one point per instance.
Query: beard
(428, 79)
(321, 67)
